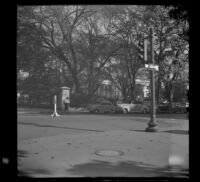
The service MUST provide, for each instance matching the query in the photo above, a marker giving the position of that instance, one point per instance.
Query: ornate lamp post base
(153, 127)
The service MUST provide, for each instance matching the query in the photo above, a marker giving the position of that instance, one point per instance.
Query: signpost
(55, 114)
(152, 125)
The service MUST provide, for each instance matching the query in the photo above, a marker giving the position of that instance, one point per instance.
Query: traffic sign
(152, 67)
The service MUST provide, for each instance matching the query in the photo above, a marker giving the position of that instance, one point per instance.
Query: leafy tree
(181, 15)
(55, 27)
(28, 45)
(92, 43)
(31, 57)
(171, 50)
(96, 49)
(129, 33)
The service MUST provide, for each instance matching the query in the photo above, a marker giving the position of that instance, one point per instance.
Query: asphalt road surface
(65, 146)
(32, 125)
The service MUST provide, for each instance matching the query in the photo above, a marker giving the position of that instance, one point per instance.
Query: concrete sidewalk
(141, 154)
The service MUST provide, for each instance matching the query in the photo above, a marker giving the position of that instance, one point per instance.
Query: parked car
(104, 107)
(177, 107)
(163, 107)
(141, 107)
(126, 107)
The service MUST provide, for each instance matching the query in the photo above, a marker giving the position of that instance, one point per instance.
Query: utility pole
(152, 125)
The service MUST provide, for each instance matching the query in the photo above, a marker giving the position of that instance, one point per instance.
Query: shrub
(78, 100)
(82, 100)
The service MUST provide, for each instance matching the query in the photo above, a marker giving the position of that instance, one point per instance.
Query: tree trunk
(90, 89)
(90, 76)
(76, 83)
(72, 69)
(170, 102)
(124, 94)
(158, 91)
(170, 96)
(133, 90)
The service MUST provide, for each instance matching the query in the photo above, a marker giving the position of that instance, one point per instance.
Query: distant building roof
(142, 82)
(65, 88)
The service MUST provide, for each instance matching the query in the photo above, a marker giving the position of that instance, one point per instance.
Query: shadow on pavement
(53, 126)
(33, 172)
(22, 153)
(180, 132)
(98, 168)
(138, 130)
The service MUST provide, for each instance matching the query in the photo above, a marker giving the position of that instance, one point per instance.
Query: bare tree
(56, 27)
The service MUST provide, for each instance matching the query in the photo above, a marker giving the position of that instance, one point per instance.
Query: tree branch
(52, 33)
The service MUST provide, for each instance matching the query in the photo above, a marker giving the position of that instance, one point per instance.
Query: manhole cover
(109, 152)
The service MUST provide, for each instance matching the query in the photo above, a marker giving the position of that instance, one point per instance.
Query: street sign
(152, 67)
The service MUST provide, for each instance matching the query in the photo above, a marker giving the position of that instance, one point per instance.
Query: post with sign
(55, 114)
(152, 125)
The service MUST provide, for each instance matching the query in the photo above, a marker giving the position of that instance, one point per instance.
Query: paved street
(68, 145)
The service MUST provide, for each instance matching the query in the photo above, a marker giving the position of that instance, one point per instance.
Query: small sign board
(152, 67)
(66, 93)
(65, 96)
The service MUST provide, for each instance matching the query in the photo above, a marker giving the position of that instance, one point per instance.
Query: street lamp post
(152, 125)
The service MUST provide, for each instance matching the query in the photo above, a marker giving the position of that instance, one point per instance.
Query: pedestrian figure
(66, 103)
